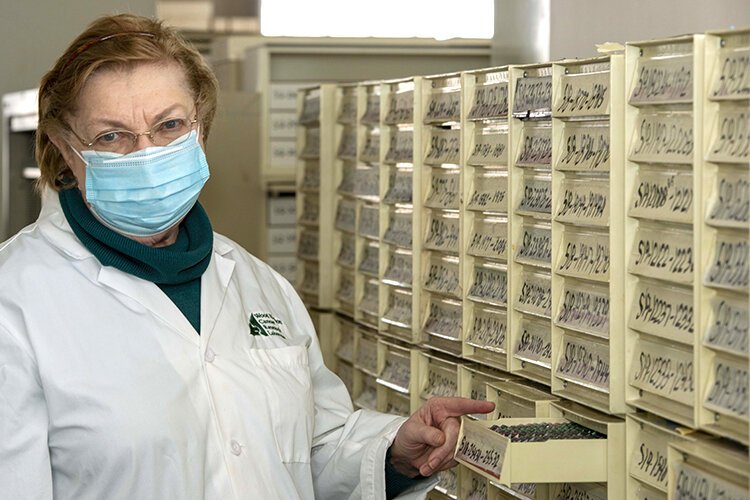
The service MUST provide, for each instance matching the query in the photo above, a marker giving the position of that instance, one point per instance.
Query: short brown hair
(112, 42)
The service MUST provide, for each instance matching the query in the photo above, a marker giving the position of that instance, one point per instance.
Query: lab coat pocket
(287, 386)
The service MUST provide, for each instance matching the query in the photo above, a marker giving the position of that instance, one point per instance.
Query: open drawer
(574, 445)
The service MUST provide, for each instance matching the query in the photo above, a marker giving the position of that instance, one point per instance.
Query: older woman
(142, 355)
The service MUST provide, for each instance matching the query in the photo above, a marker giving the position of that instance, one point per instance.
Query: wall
(35, 33)
(577, 25)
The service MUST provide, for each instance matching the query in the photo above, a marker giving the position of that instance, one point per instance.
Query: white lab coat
(106, 390)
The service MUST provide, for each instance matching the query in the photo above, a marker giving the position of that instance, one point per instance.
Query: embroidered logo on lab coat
(266, 325)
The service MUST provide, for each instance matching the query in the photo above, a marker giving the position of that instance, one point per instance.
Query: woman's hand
(425, 443)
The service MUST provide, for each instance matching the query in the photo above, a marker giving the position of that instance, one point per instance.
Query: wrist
(401, 466)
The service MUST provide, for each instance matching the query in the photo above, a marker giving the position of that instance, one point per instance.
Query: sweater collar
(183, 261)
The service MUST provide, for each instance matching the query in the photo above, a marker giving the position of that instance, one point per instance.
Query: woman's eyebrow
(115, 123)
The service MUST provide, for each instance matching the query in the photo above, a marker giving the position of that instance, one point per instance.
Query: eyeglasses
(124, 141)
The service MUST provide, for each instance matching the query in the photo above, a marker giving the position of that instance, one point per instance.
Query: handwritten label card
(664, 311)
(534, 342)
(536, 196)
(345, 349)
(399, 231)
(346, 215)
(397, 370)
(370, 300)
(400, 147)
(346, 252)
(536, 147)
(310, 278)
(442, 232)
(398, 272)
(732, 81)
(728, 326)
(443, 146)
(347, 108)
(663, 81)
(536, 246)
(371, 149)
(371, 115)
(399, 308)
(490, 147)
(442, 380)
(584, 202)
(584, 147)
(311, 176)
(308, 245)
(663, 138)
(583, 94)
(490, 101)
(443, 107)
(728, 393)
(663, 194)
(579, 491)
(442, 276)
(310, 109)
(369, 264)
(533, 97)
(368, 221)
(689, 482)
(312, 143)
(367, 355)
(444, 188)
(399, 186)
(665, 254)
(490, 285)
(400, 108)
(444, 319)
(348, 179)
(728, 264)
(475, 449)
(489, 238)
(488, 329)
(367, 182)
(731, 199)
(648, 462)
(310, 209)
(584, 308)
(731, 143)
(397, 404)
(535, 296)
(663, 370)
(345, 290)
(584, 362)
(585, 255)
(489, 192)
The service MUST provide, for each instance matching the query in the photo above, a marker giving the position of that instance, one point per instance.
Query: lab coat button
(209, 356)
(236, 447)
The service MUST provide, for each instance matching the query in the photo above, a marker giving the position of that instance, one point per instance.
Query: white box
(281, 211)
(282, 239)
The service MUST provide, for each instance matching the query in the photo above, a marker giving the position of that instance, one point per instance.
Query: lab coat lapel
(149, 296)
(214, 285)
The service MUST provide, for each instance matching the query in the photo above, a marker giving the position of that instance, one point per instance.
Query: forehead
(133, 95)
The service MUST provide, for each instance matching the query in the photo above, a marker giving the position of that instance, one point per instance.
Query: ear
(75, 163)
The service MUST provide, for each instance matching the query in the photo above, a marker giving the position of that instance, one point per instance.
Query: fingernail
(433, 464)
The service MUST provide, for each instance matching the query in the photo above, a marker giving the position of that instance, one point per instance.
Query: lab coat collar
(214, 281)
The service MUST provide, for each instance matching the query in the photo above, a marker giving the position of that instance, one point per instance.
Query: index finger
(456, 407)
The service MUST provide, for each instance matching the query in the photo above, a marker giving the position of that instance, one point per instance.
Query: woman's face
(133, 99)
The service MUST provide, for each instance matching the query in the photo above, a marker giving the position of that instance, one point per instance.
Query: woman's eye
(173, 124)
(108, 138)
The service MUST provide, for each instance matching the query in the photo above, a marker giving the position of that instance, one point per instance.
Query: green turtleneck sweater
(176, 269)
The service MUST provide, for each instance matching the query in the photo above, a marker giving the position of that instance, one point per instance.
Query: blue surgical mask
(145, 192)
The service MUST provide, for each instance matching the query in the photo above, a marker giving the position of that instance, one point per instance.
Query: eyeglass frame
(148, 133)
